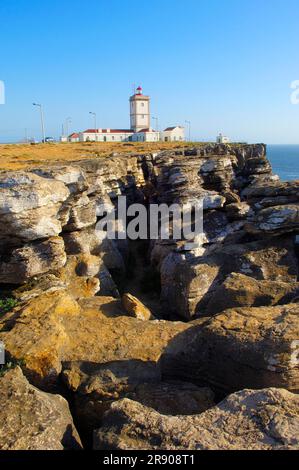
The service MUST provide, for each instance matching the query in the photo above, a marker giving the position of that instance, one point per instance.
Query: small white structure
(146, 135)
(222, 139)
(73, 137)
(173, 134)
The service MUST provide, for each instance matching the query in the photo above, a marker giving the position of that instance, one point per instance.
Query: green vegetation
(7, 304)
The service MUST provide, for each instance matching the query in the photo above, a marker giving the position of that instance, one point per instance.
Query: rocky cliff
(200, 322)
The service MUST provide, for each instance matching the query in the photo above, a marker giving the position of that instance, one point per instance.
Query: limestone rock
(79, 213)
(273, 220)
(238, 211)
(184, 283)
(29, 206)
(174, 397)
(272, 194)
(136, 308)
(239, 290)
(247, 420)
(53, 328)
(89, 241)
(189, 281)
(241, 348)
(33, 420)
(96, 387)
(72, 176)
(33, 259)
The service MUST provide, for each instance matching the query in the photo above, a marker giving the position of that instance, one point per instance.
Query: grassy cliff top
(20, 156)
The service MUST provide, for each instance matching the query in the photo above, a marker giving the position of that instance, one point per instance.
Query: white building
(106, 135)
(173, 134)
(146, 135)
(74, 137)
(141, 131)
(222, 139)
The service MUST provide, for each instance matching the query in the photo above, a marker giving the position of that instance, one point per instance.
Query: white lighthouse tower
(140, 111)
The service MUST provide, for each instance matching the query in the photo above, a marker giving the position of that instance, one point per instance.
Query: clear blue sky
(226, 65)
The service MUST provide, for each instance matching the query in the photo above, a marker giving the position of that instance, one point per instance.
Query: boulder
(185, 281)
(96, 386)
(29, 207)
(78, 213)
(239, 290)
(33, 420)
(247, 420)
(240, 348)
(135, 308)
(33, 259)
(189, 281)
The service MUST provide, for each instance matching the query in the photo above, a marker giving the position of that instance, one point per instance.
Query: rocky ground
(159, 345)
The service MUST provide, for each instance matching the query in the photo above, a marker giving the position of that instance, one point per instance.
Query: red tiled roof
(111, 131)
(170, 128)
(74, 135)
(120, 131)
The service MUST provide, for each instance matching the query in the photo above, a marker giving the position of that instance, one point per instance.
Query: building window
(143, 116)
(113, 137)
(142, 104)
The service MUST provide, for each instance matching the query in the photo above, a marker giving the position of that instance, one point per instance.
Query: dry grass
(21, 156)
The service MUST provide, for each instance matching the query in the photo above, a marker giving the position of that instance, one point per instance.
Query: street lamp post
(157, 124)
(42, 120)
(95, 123)
(95, 119)
(189, 124)
(67, 122)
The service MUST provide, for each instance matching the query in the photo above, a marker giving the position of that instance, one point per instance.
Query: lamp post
(189, 124)
(157, 122)
(42, 120)
(95, 123)
(67, 122)
(95, 119)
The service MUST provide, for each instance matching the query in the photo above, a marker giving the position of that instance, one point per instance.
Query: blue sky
(226, 65)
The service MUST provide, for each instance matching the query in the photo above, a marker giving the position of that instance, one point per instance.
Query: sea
(285, 161)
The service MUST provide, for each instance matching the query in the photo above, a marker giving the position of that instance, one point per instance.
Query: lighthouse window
(142, 104)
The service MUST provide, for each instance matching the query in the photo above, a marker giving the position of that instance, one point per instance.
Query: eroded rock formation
(219, 313)
(33, 420)
(248, 420)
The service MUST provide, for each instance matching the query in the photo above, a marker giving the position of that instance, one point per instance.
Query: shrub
(7, 304)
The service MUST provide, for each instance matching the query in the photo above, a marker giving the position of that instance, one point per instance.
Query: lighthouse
(140, 111)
